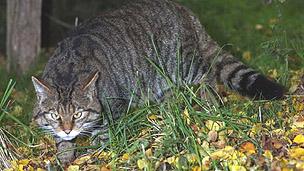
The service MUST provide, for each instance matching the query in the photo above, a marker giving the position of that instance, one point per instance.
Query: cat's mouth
(73, 134)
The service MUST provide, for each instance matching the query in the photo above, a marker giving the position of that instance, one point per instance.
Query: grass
(184, 132)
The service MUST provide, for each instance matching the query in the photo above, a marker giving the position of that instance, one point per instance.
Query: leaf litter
(265, 143)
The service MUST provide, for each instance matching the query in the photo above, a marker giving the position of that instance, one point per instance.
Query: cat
(107, 60)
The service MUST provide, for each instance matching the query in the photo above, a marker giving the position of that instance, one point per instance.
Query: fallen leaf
(219, 144)
(296, 152)
(73, 168)
(212, 136)
(236, 168)
(82, 160)
(40, 169)
(248, 148)
(247, 55)
(299, 139)
(149, 152)
(125, 156)
(142, 163)
(171, 160)
(212, 125)
(267, 154)
(298, 122)
(24, 162)
(196, 168)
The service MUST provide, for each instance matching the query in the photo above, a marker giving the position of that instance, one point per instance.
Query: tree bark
(23, 34)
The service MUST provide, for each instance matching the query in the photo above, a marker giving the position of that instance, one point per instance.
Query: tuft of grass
(7, 150)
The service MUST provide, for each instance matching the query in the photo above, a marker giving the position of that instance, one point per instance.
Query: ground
(184, 132)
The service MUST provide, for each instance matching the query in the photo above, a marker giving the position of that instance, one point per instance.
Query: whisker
(85, 134)
(88, 125)
(84, 131)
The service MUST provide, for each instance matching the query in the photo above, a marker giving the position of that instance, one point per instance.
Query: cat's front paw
(99, 139)
(66, 152)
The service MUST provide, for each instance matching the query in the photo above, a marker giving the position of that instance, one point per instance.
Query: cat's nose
(67, 131)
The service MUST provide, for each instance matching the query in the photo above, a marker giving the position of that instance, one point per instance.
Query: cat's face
(67, 112)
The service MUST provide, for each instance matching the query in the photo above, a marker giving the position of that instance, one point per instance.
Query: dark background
(230, 22)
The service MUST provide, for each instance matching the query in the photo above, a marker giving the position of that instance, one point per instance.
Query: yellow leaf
(225, 153)
(287, 169)
(248, 148)
(73, 168)
(20, 167)
(236, 168)
(171, 160)
(125, 156)
(218, 155)
(152, 117)
(212, 125)
(103, 155)
(142, 163)
(82, 160)
(40, 169)
(149, 152)
(267, 154)
(196, 168)
(229, 149)
(299, 139)
(296, 152)
(24, 162)
(247, 55)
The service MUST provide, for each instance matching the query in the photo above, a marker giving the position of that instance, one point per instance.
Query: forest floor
(184, 132)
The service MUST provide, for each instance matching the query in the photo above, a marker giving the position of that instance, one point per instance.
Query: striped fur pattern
(107, 60)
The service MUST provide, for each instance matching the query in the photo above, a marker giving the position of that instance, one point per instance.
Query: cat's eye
(55, 116)
(77, 115)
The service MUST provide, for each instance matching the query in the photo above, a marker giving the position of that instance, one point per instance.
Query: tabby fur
(109, 59)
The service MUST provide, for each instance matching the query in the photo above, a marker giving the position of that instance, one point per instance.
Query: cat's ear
(89, 87)
(42, 89)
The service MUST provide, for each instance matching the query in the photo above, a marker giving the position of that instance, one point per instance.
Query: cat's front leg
(66, 151)
(115, 108)
(100, 137)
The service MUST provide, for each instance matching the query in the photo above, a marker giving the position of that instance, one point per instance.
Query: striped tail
(245, 80)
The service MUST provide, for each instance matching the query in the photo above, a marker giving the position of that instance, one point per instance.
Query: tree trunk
(23, 34)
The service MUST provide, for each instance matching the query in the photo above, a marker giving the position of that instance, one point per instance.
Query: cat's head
(67, 112)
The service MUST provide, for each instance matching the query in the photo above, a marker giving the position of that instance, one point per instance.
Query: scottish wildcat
(107, 59)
